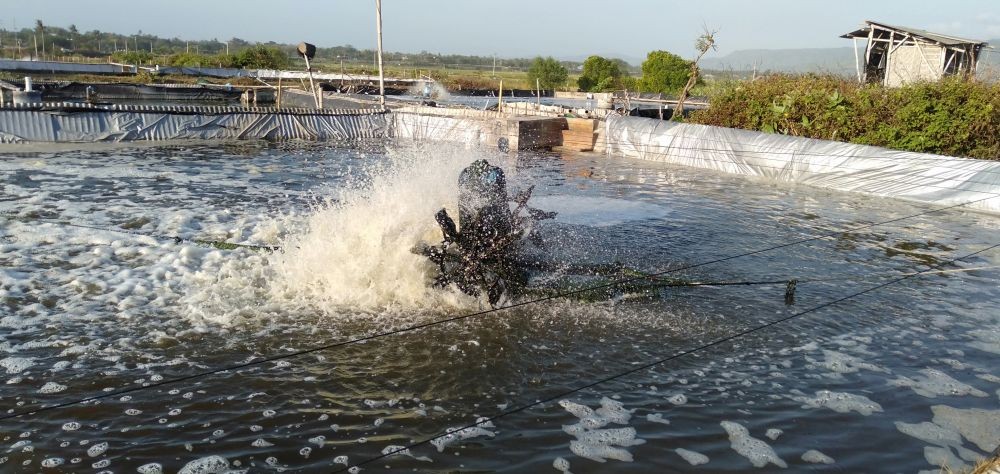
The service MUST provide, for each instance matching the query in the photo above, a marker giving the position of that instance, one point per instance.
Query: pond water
(901, 379)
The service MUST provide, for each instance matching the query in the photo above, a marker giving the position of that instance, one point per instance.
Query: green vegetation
(664, 72)
(549, 73)
(600, 75)
(952, 117)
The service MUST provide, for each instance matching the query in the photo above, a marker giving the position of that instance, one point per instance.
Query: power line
(677, 355)
(416, 327)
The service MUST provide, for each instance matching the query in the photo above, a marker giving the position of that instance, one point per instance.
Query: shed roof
(939, 38)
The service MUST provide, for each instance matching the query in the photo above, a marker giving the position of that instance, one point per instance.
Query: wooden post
(277, 101)
(538, 93)
(857, 59)
(381, 73)
(312, 86)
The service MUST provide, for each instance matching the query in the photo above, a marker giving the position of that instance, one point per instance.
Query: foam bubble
(840, 402)
(693, 458)
(757, 451)
(206, 465)
(816, 457)
(97, 449)
(151, 468)
(773, 433)
(561, 464)
(657, 418)
(16, 365)
(930, 433)
(981, 427)
(51, 387)
(53, 462)
(934, 383)
(599, 452)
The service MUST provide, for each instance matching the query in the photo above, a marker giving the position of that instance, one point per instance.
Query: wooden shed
(897, 55)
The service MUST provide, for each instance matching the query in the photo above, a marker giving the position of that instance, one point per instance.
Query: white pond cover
(936, 179)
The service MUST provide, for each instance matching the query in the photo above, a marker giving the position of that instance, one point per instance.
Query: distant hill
(829, 60)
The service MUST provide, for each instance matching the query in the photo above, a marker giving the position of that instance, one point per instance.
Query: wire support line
(666, 359)
(612, 284)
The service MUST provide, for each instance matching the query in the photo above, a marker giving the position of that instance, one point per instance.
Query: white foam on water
(693, 458)
(840, 402)
(150, 468)
(657, 418)
(576, 409)
(597, 211)
(206, 465)
(841, 363)
(931, 433)
(679, 399)
(773, 433)
(981, 427)
(816, 457)
(561, 465)
(456, 434)
(934, 383)
(755, 450)
(52, 387)
(599, 452)
(97, 449)
(53, 462)
(944, 458)
(395, 450)
(16, 365)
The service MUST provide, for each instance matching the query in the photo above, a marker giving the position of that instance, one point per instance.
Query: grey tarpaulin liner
(936, 179)
(472, 131)
(125, 123)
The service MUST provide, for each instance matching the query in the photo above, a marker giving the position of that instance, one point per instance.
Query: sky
(566, 29)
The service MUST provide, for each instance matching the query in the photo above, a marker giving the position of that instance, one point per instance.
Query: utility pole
(494, 64)
(381, 73)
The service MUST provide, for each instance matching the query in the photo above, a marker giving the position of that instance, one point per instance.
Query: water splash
(357, 250)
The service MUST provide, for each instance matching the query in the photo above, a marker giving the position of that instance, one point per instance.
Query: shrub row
(951, 117)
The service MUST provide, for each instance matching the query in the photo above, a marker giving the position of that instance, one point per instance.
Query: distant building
(897, 55)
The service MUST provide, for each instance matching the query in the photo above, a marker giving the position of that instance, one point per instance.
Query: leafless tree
(704, 44)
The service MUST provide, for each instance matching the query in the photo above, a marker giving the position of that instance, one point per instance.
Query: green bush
(951, 117)
(200, 60)
(549, 73)
(261, 57)
(132, 57)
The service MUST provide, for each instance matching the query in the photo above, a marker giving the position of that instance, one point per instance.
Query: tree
(664, 72)
(40, 32)
(548, 72)
(703, 44)
(599, 75)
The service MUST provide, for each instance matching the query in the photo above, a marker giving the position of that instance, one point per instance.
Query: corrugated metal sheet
(91, 124)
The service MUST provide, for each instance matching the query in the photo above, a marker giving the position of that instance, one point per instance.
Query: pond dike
(933, 179)
(71, 122)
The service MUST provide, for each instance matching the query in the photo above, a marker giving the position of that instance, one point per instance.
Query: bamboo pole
(312, 86)
(277, 101)
(381, 73)
(500, 97)
(538, 93)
